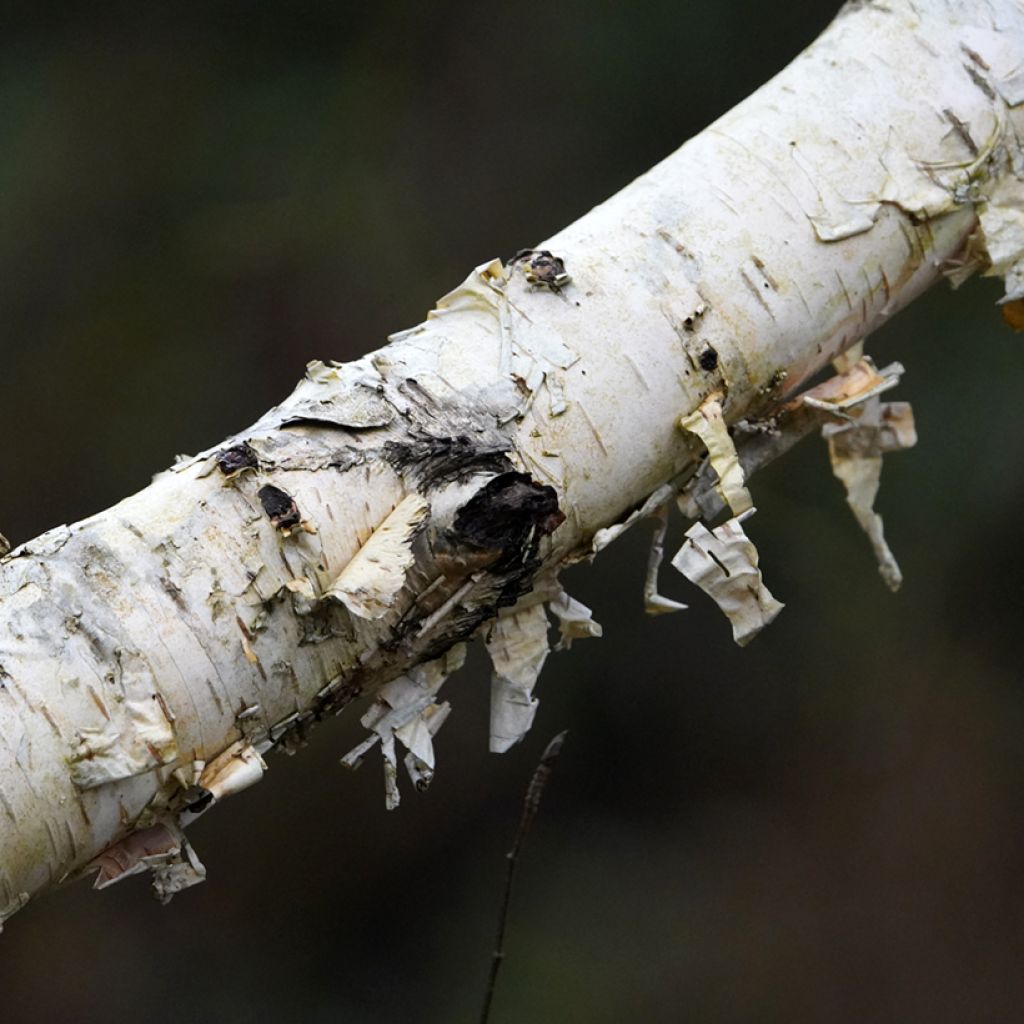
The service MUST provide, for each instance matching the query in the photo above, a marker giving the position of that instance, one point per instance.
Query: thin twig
(534, 792)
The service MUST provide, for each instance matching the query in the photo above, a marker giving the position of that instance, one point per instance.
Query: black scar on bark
(508, 516)
(237, 458)
(497, 533)
(708, 359)
(436, 461)
(280, 507)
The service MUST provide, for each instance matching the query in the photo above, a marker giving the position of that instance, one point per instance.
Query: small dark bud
(234, 460)
(542, 268)
(280, 507)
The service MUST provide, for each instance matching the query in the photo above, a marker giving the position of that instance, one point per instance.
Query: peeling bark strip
(369, 585)
(348, 543)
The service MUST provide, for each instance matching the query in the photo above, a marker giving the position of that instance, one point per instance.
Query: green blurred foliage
(194, 201)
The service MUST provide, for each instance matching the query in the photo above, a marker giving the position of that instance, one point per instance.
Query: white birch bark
(348, 542)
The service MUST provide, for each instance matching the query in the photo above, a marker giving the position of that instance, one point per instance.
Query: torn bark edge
(723, 562)
(575, 620)
(760, 442)
(708, 424)
(655, 603)
(235, 769)
(421, 769)
(855, 452)
(517, 643)
(373, 577)
(406, 709)
(161, 849)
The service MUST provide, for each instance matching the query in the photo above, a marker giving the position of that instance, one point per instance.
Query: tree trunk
(658, 349)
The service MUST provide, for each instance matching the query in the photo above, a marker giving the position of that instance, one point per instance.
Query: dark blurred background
(826, 826)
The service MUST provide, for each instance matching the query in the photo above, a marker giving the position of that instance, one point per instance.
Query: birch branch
(661, 348)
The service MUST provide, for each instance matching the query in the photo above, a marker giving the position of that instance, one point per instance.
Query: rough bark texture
(346, 544)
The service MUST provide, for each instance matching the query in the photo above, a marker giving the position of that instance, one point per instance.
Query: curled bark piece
(162, 849)
(655, 603)
(178, 872)
(134, 734)
(398, 711)
(856, 385)
(135, 853)
(576, 620)
(708, 423)
(369, 583)
(238, 768)
(723, 563)
(419, 761)
(344, 396)
(518, 645)
(855, 450)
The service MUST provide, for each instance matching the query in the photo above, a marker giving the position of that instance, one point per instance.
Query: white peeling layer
(862, 429)
(177, 872)
(162, 849)
(534, 353)
(531, 353)
(723, 563)
(486, 317)
(576, 620)
(993, 60)
(419, 761)
(238, 768)
(1000, 52)
(761, 441)
(518, 645)
(135, 853)
(481, 292)
(346, 396)
(367, 586)
(860, 475)
(397, 712)
(855, 451)
(896, 430)
(655, 603)
(137, 737)
(846, 361)
(909, 184)
(604, 537)
(708, 424)
(1002, 227)
(853, 387)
